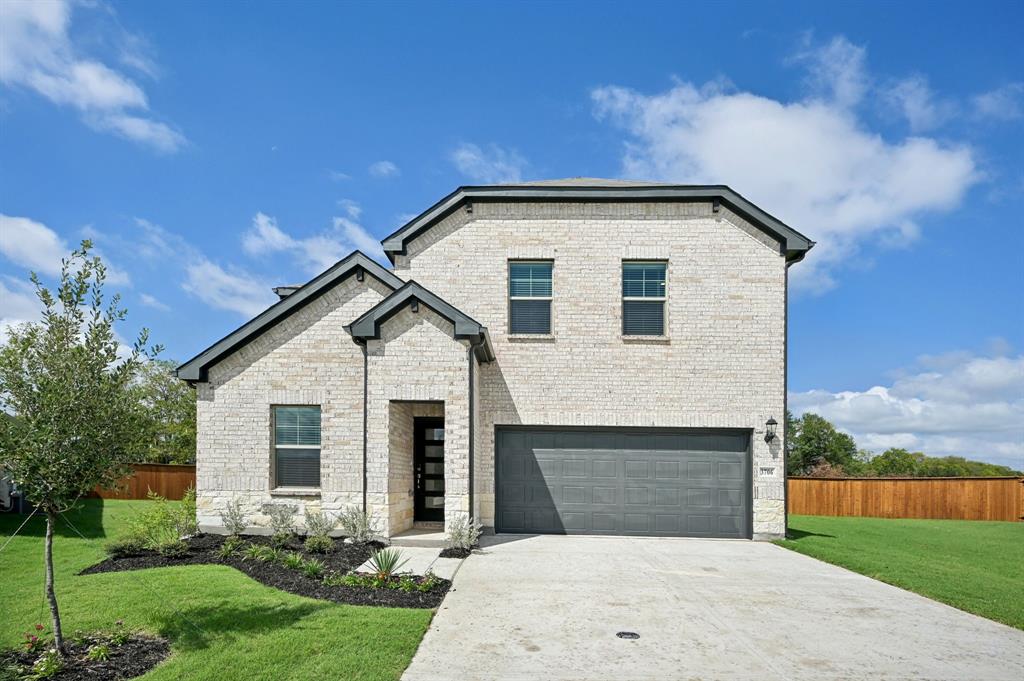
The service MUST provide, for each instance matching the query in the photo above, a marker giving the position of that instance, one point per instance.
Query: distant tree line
(814, 448)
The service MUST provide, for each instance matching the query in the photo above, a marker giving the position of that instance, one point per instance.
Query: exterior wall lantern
(769, 429)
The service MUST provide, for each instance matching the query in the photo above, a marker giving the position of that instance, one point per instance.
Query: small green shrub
(233, 518)
(78, 638)
(253, 552)
(293, 561)
(386, 562)
(124, 547)
(167, 542)
(34, 642)
(319, 544)
(313, 568)
(49, 664)
(282, 520)
(154, 525)
(407, 583)
(280, 539)
(275, 555)
(357, 525)
(428, 582)
(463, 533)
(230, 547)
(319, 524)
(98, 652)
(120, 635)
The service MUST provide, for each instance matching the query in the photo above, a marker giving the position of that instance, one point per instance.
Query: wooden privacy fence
(167, 480)
(949, 498)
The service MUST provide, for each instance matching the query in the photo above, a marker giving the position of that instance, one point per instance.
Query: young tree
(77, 421)
(170, 405)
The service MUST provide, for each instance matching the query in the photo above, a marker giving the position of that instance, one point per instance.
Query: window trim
(663, 299)
(275, 487)
(549, 298)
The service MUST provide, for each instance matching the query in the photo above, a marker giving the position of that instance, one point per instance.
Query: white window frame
(663, 299)
(550, 298)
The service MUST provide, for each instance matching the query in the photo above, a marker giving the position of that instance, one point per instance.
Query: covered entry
(623, 481)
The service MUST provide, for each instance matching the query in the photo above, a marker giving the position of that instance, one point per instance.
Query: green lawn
(972, 565)
(222, 625)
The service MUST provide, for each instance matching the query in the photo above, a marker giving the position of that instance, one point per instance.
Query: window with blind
(529, 297)
(643, 298)
(297, 446)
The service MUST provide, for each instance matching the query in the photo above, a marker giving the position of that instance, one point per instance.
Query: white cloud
(315, 253)
(356, 237)
(234, 289)
(835, 71)
(31, 244)
(37, 52)
(1002, 104)
(153, 302)
(384, 169)
(493, 165)
(338, 176)
(351, 208)
(812, 162)
(18, 304)
(959, 404)
(914, 99)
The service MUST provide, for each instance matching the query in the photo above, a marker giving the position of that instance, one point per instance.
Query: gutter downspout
(785, 402)
(473, 345)
(366, 371)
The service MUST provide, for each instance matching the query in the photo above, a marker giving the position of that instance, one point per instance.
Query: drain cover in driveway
(628, 634)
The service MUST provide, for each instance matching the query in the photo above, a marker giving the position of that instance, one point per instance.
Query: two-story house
(577, 356)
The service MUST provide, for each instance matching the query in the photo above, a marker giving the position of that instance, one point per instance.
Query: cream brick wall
(416, 359)
(721, 365)
(306, 359)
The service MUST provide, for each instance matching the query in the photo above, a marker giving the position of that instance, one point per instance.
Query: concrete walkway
(549, 607)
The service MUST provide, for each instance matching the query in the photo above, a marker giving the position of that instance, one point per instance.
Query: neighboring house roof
(368, 325)
(195, 368)
(793, 244)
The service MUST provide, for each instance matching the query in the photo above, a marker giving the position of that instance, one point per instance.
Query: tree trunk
(51, 597)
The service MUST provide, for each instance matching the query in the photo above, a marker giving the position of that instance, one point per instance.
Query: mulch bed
(456, 553)
(344, 558)
(133, 658)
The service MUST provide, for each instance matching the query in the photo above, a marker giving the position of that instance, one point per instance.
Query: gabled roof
(195, 368)
(368, 325)
(583, 189)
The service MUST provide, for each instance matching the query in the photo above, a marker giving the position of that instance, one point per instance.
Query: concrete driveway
(549, 607)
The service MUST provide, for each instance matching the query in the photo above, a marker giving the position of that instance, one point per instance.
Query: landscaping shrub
(160, 524)
(463, 533)
(124, 547)
(230, 547)
(233, 518)
(282, 520)
(313, 568)
(319, 544)
(319, 524)
(357, 525)
(386, 562)
(293, 561)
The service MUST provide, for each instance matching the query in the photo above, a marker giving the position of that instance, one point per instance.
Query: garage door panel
(606, 481)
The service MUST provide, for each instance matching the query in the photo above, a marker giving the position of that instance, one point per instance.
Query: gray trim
(195, 369)
(367, 326)
(793, 244)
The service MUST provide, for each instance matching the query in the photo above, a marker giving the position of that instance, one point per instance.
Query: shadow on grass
(195, 628)
(794, 533)
(86, 517)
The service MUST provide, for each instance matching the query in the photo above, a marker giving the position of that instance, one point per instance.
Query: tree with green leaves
(170, 405)
(812, 440)
(76, 418)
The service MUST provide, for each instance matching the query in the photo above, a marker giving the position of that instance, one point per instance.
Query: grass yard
(976, 566)
(221, 624)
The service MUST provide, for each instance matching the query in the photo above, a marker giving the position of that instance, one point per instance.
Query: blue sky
(214, 150)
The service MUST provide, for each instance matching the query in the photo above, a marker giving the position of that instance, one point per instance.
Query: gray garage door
(619, 481)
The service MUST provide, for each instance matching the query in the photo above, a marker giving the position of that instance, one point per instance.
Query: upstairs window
(529, 297)
(643, 298)
(297, 446)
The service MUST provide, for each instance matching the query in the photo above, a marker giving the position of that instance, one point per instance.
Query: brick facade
(721, 363)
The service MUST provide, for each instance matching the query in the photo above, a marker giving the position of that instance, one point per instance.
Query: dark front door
(428, 463)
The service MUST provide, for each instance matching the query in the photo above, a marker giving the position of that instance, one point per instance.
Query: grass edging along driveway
(970, 564)
(221, 623)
